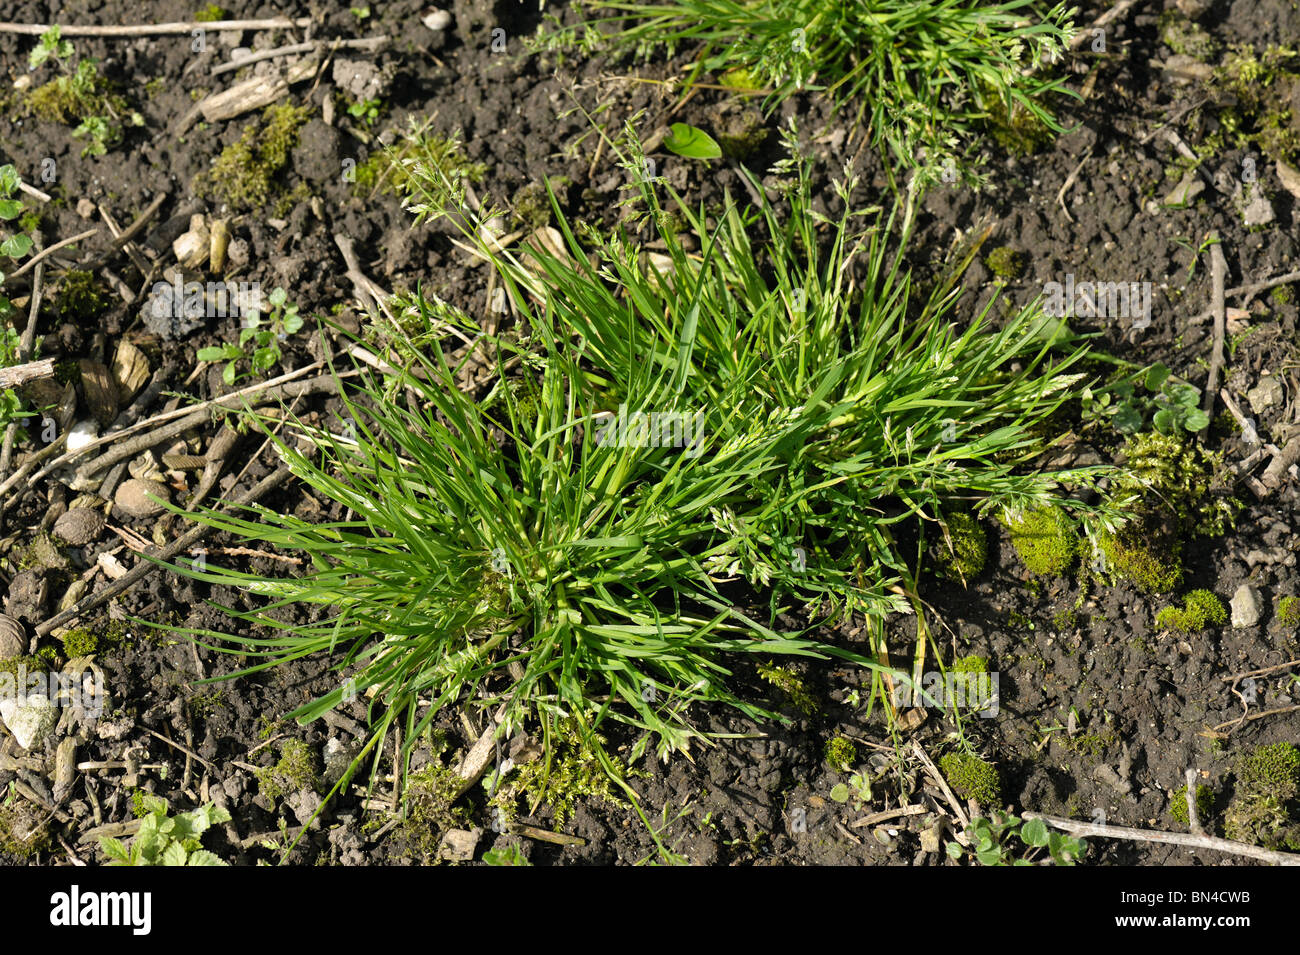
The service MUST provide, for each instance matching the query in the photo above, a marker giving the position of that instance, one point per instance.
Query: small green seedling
(168, 840)
(988, 841)
(79, 95)
(859, 786)
(13, 245)
(366, 111)
(1171, 407)
(51, 44)
(265, 337)
(691, 142)
(509, 855)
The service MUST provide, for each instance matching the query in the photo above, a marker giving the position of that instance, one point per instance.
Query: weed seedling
(989, 842)
(167, 840)
(79, 95)
(259, 339)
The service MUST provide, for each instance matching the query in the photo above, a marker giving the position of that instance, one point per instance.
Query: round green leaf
(1034, 833)
(1156, 376)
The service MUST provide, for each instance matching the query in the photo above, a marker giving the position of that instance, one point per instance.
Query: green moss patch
(1045, 539)
(246, 174)
(1201, 609)
(972, 778)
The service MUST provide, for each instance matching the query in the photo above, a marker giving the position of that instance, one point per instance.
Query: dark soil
(1100, 713)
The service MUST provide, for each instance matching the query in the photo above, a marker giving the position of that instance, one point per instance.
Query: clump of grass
(925, 75)
(972, 777)
(1200, 609)
(246, 174)
(540, 530)
(1045, 539)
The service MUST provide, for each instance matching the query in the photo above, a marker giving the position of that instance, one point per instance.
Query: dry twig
(1088, 829)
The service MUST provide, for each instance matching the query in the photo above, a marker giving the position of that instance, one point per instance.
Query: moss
(211, 13)
(45, 553)
(1257, 82)
(1131, 556)
(1045, 540)
(531, 205)
(1287, 614)
(47, 656)
(1092, 744)
(297, 769)
(1200, 609)
(26, 664)
(71, 97)
(205, 704)
(785, 680)
(970, 664)
(247, 172)
(23, 830)
(1006, 263)
(1015, 128)
(740, 78)
(79, 643)
(571, 771)
(740, 134)
(1169, 473)
(841, 753)
(80, 296)
(139, 806)
(1282, 295)
(1264, 805)
(1178, 804)
(430, 803)
(963, 555)
(972, 778)
(1186, 38)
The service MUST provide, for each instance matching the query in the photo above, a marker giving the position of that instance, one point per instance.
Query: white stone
(31, 719)
(82, 434)
(1245, 606)
(437, 19)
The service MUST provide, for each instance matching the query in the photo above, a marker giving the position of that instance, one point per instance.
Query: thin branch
(1088, 829)
(1218, 272)
(54, 248)
(1193, 817)
(160, 29)
(369, 45)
